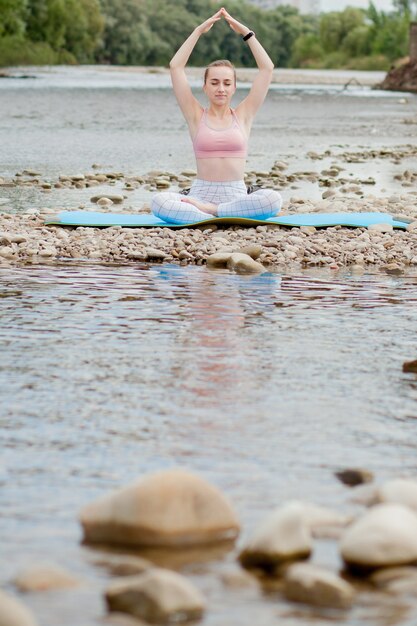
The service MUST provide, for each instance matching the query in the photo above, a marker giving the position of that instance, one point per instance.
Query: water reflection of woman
(220, 135)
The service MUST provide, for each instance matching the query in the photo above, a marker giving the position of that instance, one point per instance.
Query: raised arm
(189, 105)
(250, 105)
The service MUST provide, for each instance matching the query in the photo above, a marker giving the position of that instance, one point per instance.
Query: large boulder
(157, 596)
(13, 613)
(283, 536)
(384, 537)
(169, 508)
(314, 585)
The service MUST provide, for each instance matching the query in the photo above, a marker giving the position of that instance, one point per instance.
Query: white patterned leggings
(231, 198)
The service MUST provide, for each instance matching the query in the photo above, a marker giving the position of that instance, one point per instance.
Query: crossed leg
(173, 207)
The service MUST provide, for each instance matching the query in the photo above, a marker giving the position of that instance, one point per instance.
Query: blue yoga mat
(145, 220)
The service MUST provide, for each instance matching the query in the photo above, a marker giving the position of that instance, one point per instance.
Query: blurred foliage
(148, 32)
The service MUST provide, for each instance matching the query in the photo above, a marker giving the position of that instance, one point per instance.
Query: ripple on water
(264, 384)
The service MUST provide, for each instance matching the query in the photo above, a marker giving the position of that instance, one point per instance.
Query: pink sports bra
(224, 142)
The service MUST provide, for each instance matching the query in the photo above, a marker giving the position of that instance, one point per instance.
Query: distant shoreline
(281, 76)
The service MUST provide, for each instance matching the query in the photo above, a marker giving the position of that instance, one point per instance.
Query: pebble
(310, 584)
(115, 198)
(244, 264)
(169, 508)
(157, 596)
(124, 564)
(410, 367)
(283, 536)
(385, 536)
(399, 491)
(44, 577)
(354, 477)
(13, 612)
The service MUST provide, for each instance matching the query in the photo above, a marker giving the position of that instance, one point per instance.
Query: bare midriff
(221, 169)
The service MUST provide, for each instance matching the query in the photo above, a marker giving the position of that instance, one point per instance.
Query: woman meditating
(220, 136)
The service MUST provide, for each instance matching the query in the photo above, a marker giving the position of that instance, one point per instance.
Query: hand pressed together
(239, 28)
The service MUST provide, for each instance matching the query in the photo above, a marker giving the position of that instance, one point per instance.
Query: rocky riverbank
(24, 238)
(401, 78)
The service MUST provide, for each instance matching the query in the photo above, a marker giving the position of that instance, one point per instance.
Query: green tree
(12, 20)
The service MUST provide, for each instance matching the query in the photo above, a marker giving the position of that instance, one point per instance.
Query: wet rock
(218, 259)
(124, 564)
(169, 508)
(238, 579)
(253, 250)
(283, 536)
(104, 201)
(321, 521)
(354, 477)
(400, 491)
(244, 264)
(410, 367)
(395, 579)
(157, 596)
(310, 584)
(155, 255)
(115, 198)
(13, 612)
(384, 537)
(44, 577)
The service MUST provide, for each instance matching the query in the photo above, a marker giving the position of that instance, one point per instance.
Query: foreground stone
(354, 477)
(13, 613)
(313, 585)
(400, 491)
(410, 367)
(124, 564)
(283, 536)
(384, 537)
(44, 577)
(244, 264)
(169, 508)
(157, 596)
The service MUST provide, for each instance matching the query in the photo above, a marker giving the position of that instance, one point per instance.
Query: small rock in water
(218, 259)
(353, 477)
(124, 564)
(13, 612)
(400, 491)
(158, 596)
(115, 198)
(44, 577)
(244, 264)
(283, 536)
(384, 537)
(410, 367)
(314, 585)
(170, 508)
(104, 201)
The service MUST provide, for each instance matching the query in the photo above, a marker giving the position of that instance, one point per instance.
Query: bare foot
(206, 207)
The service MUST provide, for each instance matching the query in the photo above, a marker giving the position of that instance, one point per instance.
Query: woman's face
(220, 85)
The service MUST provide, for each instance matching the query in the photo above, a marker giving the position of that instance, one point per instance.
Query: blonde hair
(220, 63)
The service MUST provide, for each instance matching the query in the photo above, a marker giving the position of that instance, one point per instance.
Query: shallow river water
(264, 385)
